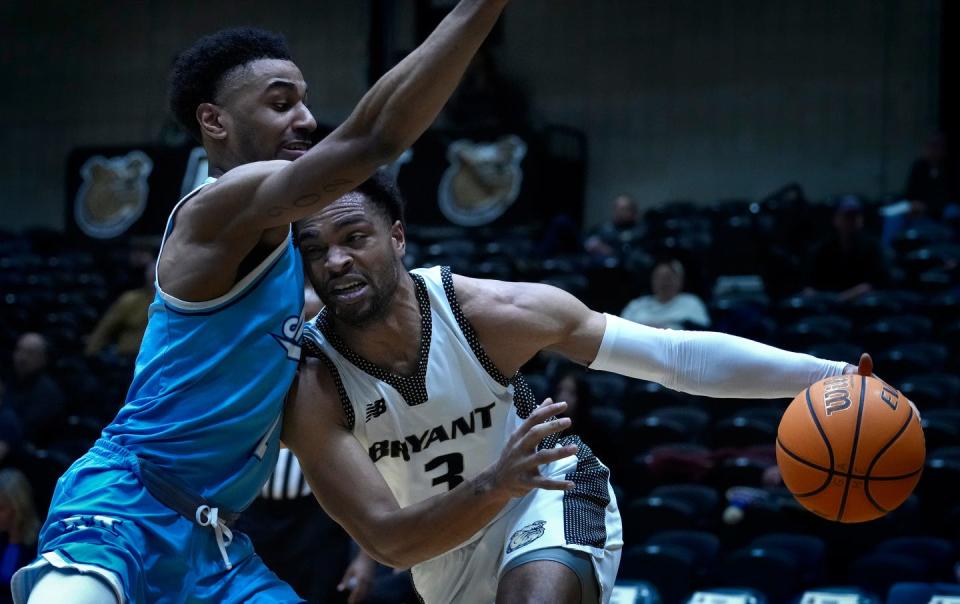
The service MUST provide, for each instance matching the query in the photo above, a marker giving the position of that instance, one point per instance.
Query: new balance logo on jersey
(289, 337)
(376, 409)
(414, 443)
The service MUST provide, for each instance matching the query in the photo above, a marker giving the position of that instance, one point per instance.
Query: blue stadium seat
(727, 595)
(932, 390)
(704, 499)
(647, 515)
(837, 595)
(811, 330)
(773, 572)
(704, 547)
(892, 331)
(742, 430)
(635, 592)
(876, 572)
(923, 593)
(670, 569)
(808, 551)
(938, 554)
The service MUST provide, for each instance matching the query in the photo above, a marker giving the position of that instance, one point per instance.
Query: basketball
(850, 448)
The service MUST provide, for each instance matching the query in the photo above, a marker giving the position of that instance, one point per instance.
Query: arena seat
(704, 500)
(836, 351)
(648, 515)
(924, 593)
(670, 569)
(808, 331)
(727, 595)
(742, 430)
(605, 387)
(635, 592)
(837, 595)
(877, 571)
(932, 390)
(890, 331)
(938, 554)
(796, 308)
(773, 572)
(941, 427)
(808, 551)
(703, 545)
(909, 358)
(737, 471)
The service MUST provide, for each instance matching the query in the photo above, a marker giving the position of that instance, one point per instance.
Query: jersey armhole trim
(468, 331)
(312, 349)
(241, 288)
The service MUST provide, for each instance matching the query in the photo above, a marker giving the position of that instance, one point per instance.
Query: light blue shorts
(104, 522)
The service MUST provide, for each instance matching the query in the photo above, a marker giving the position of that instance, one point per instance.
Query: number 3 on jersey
(454, 466)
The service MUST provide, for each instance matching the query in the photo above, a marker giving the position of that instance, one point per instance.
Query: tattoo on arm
(311, 198)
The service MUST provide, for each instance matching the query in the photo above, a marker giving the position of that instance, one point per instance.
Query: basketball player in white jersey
(418, 434)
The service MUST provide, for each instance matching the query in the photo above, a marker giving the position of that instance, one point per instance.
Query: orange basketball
(850, 448)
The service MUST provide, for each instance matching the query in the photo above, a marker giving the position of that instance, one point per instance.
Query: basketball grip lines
(853, 448)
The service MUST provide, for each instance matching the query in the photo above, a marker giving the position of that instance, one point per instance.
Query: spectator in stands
(933, 180)
(31, 392)
(121, 328)
(10, 431)
(615, 236)
(849, 261)
(300, 543)
(668, 305)
(18, 527)
(932, 193)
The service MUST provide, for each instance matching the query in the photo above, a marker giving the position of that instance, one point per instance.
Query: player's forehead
(262, 75)
(348, 211)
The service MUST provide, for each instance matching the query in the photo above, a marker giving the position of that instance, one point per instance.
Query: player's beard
(380, 293)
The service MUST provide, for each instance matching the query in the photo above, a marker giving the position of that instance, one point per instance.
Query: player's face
(353, 257)
(265, 112)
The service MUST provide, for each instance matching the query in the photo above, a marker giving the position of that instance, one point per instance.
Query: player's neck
(391, 341)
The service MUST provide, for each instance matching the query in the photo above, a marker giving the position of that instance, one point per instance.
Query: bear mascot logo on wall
(113, 194)
(483, 180)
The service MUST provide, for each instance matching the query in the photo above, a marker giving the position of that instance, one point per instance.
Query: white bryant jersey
(450, 420)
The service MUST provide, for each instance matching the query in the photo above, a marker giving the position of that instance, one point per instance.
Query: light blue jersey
(148, 509)
(210, 380)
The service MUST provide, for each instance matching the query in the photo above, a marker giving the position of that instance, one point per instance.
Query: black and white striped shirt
(287, 481)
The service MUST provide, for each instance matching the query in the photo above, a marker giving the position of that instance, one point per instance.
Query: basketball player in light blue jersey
(145, 516)
(410, 389)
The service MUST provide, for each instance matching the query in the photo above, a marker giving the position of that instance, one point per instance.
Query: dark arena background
(782, 171)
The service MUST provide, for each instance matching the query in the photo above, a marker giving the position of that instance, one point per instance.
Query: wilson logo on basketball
(836, 394)
(891, 397)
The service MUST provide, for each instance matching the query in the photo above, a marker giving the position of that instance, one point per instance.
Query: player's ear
(211, 118)
(399, 238)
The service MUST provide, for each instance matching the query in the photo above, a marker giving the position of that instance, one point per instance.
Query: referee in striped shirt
(300, 543)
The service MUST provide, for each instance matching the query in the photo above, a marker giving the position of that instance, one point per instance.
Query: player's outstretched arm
(528, 317)
(351, 490)
(388, 119)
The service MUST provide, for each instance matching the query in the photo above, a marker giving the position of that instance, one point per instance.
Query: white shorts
(585, 519)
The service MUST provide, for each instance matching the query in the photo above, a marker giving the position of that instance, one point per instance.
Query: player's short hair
(382, 190)
(198, 72)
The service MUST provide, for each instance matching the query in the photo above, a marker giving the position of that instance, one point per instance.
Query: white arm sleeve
(707, 363)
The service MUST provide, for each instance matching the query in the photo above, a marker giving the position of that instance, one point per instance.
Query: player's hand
(358, 578)
(865, 368)
(517, 472)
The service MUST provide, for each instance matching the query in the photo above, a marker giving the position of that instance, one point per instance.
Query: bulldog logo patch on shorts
(526, 535)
